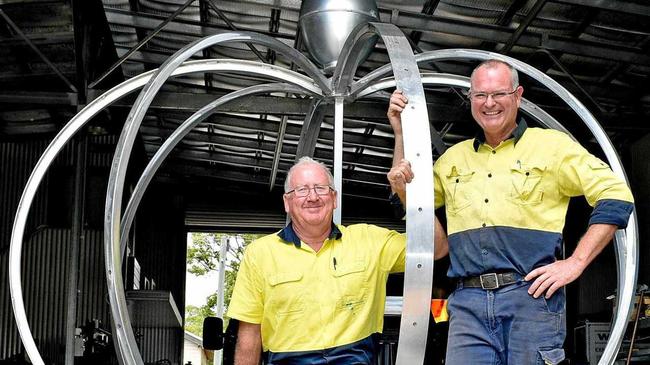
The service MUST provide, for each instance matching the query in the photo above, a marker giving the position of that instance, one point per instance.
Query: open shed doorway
(205, 260)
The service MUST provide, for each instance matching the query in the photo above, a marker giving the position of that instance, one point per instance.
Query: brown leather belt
(491, 281)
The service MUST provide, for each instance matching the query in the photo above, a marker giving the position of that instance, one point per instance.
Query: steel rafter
(505, 18)
(22, 35)
(428, 8)
(532, 14)
(177, 26)
(232, 26)
(204, 15)
(141, 43)
(274, 27)
(437, 24)
(560, 66)
(614, 72)
(626, 7)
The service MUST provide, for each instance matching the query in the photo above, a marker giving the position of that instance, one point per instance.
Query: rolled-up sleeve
(611, 211)
(581, 173)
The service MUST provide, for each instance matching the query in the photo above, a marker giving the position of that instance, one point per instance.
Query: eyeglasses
(303, 191)
(497, 95)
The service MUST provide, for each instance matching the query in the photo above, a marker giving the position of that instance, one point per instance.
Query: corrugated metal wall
(640, 176)
(16, 163)
(91, 303)
(45, 263)
(45, 256)
(161, 344)
(160, 247)
(45, 270)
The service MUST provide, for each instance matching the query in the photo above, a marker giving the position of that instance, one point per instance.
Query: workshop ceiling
(54, 58)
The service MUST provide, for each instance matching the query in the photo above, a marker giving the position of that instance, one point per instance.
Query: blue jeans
(506, 326)
(357, 353)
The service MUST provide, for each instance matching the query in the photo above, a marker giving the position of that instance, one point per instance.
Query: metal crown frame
(419, 268)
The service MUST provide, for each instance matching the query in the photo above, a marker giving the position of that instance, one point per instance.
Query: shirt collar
(288, 235)
(516, 134)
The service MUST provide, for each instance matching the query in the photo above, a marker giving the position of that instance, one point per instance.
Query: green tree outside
(203, 256)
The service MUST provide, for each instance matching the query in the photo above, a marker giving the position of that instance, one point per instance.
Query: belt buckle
(489, 281)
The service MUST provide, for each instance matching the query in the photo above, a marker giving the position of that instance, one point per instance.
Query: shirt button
(527, 173)
(483, 224)
(489, 175)
(494, 152)
(487, 200)
(457, 180)
(484, 252)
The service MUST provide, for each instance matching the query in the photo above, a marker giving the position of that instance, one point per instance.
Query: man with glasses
(314, 292)
(506, 194)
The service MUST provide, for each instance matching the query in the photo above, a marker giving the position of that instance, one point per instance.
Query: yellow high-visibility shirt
(506, 206)
(306, 300)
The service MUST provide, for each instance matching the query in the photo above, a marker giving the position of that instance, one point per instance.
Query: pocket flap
(552, 356)
(459, 175)
(349, 267)
(597, 164)
(284, 277)
(526, 177)
(528, 170)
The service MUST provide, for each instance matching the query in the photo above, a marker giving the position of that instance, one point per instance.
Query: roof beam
(53, 38)
(190, 102)
(141, 43)
(532, 14)
(437, 24)
(38, 97)
(367, 161)
(428, 9)
(178, 26)
(617, 6)
(325, 136)
(377, 179)
(22, 35)
(506, 16)
(233, 27)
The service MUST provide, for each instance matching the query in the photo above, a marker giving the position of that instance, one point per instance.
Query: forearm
(398, 151)
(249, 344)
(396, 105)
(549, 278)
(592, 243)
(398, 155)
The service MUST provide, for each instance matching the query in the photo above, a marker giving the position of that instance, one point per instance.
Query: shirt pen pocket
(527, 183)
(459, 189)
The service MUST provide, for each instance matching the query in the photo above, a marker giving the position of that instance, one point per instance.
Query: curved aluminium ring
(66, 134)
(418, 277)
(352, 51)
(627, 241)
(346, 66)
(180, 132)
(123, 331)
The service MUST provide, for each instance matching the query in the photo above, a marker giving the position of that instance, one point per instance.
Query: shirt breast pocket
(286, 293)
(352, 284)
(350, 277)
(459, 191)
(527, 187)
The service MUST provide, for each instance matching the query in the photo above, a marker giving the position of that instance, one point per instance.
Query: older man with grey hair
(506, 194)
(313, 293)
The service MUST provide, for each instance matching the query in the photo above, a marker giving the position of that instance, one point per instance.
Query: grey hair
(304, 161)
(491, 63)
